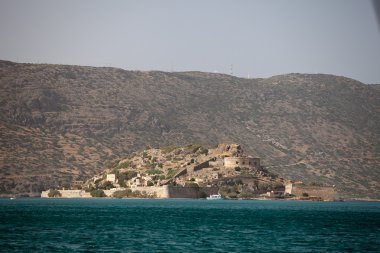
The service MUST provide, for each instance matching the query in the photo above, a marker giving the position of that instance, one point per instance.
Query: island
(192, 171)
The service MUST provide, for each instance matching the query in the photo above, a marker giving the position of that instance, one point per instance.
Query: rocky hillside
(61, 123)
(189, 166)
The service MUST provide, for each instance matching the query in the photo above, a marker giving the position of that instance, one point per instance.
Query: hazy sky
(258, 38)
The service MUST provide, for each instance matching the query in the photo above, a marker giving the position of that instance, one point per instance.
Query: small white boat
(11, 198)
(214, 197)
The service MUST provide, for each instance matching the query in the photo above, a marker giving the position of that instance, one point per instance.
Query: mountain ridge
(62, 122)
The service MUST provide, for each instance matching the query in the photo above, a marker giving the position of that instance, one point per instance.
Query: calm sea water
(127, 225)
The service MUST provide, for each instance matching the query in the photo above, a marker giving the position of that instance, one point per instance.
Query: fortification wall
(44, 194)
(207, 191)
(181, 172)
(326, 193)
(69, 194)
(75, 194)
(160, 191)
(191, 192)
(172, 191)
(110, 192)
(246, 162)
(201, 166)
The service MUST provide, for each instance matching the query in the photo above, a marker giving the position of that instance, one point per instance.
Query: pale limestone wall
(44, 194)
(111, 178)
(326, 193)
(215, 163)
(74, 194)
(111, 191)
(288, 188)
(69, 194)
(171, 191)
(160, 192)
(243, 162)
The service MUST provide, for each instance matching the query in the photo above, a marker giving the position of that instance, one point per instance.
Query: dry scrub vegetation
(61, 123)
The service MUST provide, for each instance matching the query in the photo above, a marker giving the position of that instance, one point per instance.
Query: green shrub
(154, 172)
(130, 174)
(122, 177)
(89, 189)
(54, 194)
(168, 149)
(122, 194)
(111, 164)
(143, 194)
(171, 173)
(237, 168)
(125, 164)
(232, 195)
(262, 187)
(98, 193)
(305, 194)
(277, 186)
(106, 185)
(245, 173)
(193, 147)
(247, 195)
(203, 151)
(191, 184)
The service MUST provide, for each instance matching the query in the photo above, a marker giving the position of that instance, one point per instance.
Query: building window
(237, 162)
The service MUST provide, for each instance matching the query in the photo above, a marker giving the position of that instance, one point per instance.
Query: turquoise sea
(176, 225)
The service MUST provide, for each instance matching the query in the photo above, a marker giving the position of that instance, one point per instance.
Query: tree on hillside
(54, 194)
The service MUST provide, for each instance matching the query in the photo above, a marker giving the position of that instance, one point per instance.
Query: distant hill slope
(60, 123)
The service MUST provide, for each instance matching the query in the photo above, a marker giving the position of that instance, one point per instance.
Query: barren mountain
(61, 123)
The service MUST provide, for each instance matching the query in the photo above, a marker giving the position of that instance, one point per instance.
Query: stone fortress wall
(324, 192)
(69, 194)
(160, 192)
(243, 162)
(191, 192)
